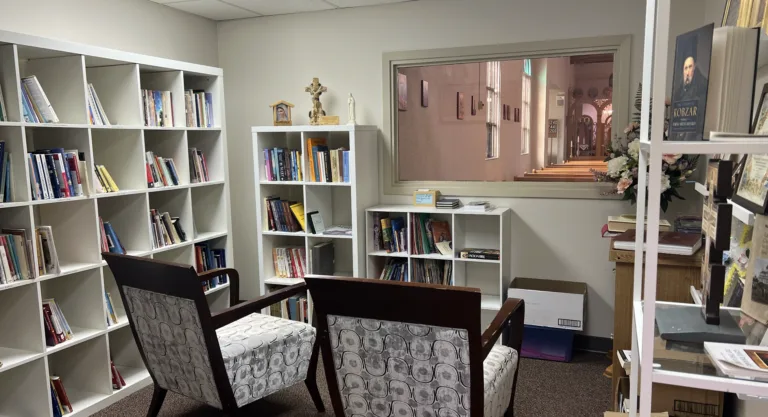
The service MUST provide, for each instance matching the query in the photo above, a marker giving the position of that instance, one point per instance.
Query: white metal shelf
(745, 144)
(79, 335)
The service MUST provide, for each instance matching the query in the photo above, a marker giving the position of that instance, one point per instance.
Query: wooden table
(675, 276)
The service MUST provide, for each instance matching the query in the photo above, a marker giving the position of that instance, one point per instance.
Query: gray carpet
(545, 389)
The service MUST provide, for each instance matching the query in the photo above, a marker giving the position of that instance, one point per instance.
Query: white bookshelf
(338, 203)
(64, 70)
(486, 230)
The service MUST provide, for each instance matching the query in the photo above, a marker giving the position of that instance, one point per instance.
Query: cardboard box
(677, 401)
(551, 303)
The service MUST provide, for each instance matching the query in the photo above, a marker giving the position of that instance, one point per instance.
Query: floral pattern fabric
(264, 354)
(388, 368)
(172, 339)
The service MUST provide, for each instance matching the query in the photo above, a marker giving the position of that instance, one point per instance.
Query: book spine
(57, 411)
(62, 393)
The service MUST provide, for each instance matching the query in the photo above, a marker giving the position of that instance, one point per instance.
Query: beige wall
(552, 238)
(138, 26)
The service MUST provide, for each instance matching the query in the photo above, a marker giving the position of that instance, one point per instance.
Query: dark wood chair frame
(425, 304)
(183, 281)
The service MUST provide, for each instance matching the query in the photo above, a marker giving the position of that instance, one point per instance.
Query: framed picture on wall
(473, 106)
(402, 92)
(460, 106)
(752, 188)
(424, 93)
(760, 124)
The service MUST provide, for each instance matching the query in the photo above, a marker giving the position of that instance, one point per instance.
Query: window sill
(491, 158)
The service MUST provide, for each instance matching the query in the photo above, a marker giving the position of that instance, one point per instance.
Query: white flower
(617, 166)
(665, 183)
(634, 149)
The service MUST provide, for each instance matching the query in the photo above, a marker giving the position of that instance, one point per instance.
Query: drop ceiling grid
(240, 9)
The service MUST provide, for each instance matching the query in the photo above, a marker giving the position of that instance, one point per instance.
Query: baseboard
(592, 343)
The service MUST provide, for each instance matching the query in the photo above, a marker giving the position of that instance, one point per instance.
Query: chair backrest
(171, 323)
(398, 348)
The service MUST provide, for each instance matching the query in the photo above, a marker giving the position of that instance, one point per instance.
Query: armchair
(228, 359)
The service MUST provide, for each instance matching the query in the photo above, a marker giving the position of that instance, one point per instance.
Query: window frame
(493, 118)
(619, 45)
(525, 117)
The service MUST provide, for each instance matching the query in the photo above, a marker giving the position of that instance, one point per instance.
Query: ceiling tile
(212, 9)
(273, 7)
(360, 3)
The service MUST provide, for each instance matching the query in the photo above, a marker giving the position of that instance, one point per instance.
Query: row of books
(3, 109)
(199, 108)
(15, 256)
(104, 181)
(6, 180)
(112, 318)
(198, 167)
(284, 215)
(326, 165)
(395, 270)
(109, 240)
(56, 173)
(428, 233)
(161, 172)
(390, 235)
(117, 380)
(293, 308)
(57, 330)
(158, 108)
(166, 230)
(281, 164)
(290, 262)
(207, 259)
(96, 114)
(59, 399)
(432, 271)
(36, 106)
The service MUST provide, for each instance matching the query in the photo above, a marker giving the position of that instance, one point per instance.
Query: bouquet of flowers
(623, 155)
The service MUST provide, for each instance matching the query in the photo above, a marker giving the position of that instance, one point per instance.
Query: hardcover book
(690, 82)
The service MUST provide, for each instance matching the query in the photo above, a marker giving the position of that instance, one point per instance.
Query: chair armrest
(234, 282)
(512, 316)
(239, 311)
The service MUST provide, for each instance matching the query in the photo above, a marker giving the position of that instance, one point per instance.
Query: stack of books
(111, 314)
(59, 399)
(207, 259)
(161, 172)
(96, 114)
(109, 240)
(57, 329)
(55, 173)
(327, 165)
(36, 107)
(166, 230)
(489, 254)
(390, 235)
(283, 215)
(104, 181)
(739, 361)
(290, 262)
(199, 107)
(282, 164)
(395, 270)
(433, 271)
(198, 168)
(478, 207)
(338, 230)
(15, 256)
(430, 235)
(6, 179)
(158, 108)
(47, 258)
(117, 380)
(3, 109)
(448, 203)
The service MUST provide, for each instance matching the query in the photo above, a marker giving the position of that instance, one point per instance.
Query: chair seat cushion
(264, 354)
(498, 377)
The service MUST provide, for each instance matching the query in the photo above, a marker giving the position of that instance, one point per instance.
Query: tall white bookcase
(64, 70)
(340, 203)
(486, 230)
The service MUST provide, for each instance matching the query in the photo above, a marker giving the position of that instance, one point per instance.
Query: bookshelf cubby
(338, 203)
(64, 70)
(486, 230)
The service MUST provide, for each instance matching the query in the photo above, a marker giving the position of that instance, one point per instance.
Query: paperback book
(158, 108)
(60, 400)
(161, 172)
(112, 318)
(47, 258)
(199, 108)
(6, 174)
(489, 254)
(55, 173)
(96, 114)
(281, 215)
(690, 82)
(109, 240)
(281, 164)
(325, 164)
(16, 256)
(432, 271)
(166, 230)
(427, 232)
(36, 106)
(290, 262)
(198, 167)
(207, 258)
(395, 270)
(57, 329)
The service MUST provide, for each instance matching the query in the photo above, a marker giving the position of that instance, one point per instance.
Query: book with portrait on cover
(690, 81)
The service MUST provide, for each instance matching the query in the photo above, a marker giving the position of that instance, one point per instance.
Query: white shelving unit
(64, 70)
(338, 203)
(488, 230)
(652, 148)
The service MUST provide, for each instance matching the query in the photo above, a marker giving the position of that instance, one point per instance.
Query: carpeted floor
(545, 389)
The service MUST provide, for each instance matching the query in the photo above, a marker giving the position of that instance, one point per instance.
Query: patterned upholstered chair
(226, 360)
(414, 350)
